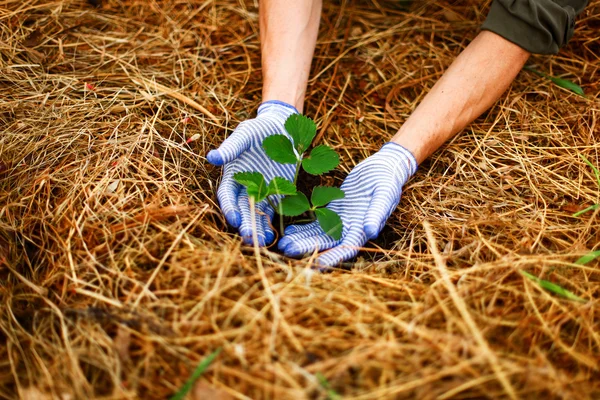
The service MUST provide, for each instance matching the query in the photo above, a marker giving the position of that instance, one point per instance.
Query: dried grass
(116, 275)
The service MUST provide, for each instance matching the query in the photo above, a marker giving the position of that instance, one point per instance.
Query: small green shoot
(591, 256)
(597, 173)
(320, 160)
(553, 287)
(563, 83)
(331, 394)
(590, 208)
(189, 384)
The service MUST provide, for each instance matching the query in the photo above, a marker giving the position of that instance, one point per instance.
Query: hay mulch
(118, 274)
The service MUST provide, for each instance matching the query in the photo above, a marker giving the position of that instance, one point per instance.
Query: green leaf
(331, 394)
(204, 364)
(280, 149)
(302, 129)
(590, 208)
(596, 172)
(563, 83)
(322, 195)
(292, 206)
(330, 222)
(279, 185)
(591, 256)
(322, 159)
(254, 182)
(248, 178)
(553, 287)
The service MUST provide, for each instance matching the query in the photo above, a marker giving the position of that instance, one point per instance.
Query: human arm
(288, 33)
(475, 80)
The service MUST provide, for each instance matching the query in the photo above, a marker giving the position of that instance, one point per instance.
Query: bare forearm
(288, 35)
(476, 79)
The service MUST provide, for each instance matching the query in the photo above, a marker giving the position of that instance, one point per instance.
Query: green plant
(593, 254)
(563, 83)
(318, 161)
(204, 364)
(331, 394)
(553, 287)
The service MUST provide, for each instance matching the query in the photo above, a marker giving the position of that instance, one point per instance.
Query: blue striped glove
(242, 152)
(373, 190)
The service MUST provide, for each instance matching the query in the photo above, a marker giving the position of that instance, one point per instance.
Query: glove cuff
(406, 161)
(277, 106)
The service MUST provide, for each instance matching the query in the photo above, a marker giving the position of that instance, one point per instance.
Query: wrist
(417, 141)
(276, 108)
(278, 103)
(285, 93)
(402, 158)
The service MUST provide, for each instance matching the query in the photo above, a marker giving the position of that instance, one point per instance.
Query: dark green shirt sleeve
(538, 26)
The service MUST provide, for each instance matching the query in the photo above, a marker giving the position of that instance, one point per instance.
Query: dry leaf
(122, 342)
(113, 186)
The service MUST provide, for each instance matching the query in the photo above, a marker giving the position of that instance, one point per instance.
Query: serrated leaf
(248, 178)
(553, 287)
(591, 256)
(323, 195)
(322, 159)
(292, 206)
(563, 83)
(204, 364)
(279, 185)
(280, 149)
(302, 130)
(255, 184)
(330, 222)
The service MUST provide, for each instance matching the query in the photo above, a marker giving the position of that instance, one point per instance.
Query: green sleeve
(538, 26)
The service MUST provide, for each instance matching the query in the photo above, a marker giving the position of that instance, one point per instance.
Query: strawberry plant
(320, 160)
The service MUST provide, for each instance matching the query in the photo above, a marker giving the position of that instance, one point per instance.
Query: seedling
(593, 254)
(189, 384)
(318, 161)
(563, 83)
(331, 394)
(553, 287)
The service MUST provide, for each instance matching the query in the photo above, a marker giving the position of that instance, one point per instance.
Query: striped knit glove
(373, 190)
(242, 152)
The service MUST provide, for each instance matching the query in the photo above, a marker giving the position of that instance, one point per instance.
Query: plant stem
(279, 210)
(297, 169)
(271, 203)
(304, 220)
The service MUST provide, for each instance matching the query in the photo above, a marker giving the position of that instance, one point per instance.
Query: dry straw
(118, 274)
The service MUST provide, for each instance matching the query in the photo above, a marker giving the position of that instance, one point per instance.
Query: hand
(242, 152)
(373, 190)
